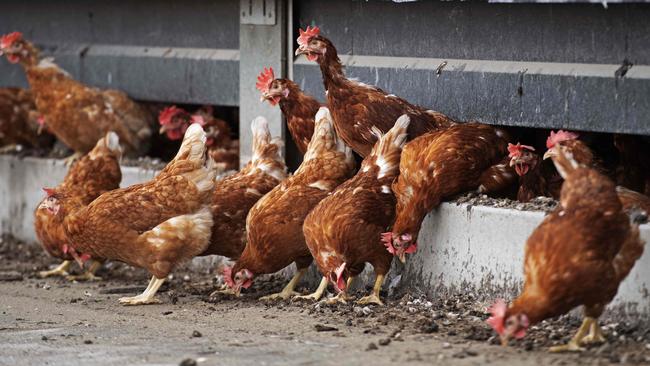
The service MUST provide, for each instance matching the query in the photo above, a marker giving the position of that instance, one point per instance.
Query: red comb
(168, 113)
(49, 191)
(265, 79)
(559, 136)
(387, 240)
(227, 276)
(498, 311)
(8, 39)
(516, 150)
(306, 35)
(41, 120)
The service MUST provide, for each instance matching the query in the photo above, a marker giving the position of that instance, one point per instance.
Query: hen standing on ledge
(357, 107)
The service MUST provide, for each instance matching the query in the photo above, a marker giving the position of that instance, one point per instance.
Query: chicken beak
(264, 96)
(549, 154)
(162, 130)
(402, 257)
(237, 291)
(504, 341)
(301, 51)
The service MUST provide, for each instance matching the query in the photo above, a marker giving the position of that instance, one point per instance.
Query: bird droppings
(188, 362)
(325, 328)
(545, 204)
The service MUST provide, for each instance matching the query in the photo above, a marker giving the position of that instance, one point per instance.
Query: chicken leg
(288, 290)
(317, 294)
(60, 270)
(577, 340)
(148, 296)
(342, 297)
(89, 274)
(374, 298)
(595, 335)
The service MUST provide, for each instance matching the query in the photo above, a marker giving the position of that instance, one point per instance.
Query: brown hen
(357, 107)
(568, 143)
(436, 166)
(578, 255)
(234, 195)
(77, 114)
(154, 225)
(343, 232)
(96, 173)
(19, 121)
(297, 107)
(274, 225)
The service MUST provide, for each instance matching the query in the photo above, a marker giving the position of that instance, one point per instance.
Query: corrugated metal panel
(155, 50)
(536, 65)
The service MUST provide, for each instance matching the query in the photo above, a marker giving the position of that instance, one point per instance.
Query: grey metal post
(262, 44)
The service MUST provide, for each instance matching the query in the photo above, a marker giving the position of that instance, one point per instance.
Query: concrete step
(461, 247)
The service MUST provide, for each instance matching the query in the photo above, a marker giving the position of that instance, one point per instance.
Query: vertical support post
(260, 45)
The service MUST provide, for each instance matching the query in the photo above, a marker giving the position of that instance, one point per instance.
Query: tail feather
(267, 151)
(179, 238)
(325, 138)
(388, 148)
(193, 146)
(633, 245)
(109, 144)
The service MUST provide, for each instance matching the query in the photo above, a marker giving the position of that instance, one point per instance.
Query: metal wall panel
(537, 65)
(162, 50)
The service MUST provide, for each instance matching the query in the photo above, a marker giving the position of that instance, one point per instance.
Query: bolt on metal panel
(259, 12)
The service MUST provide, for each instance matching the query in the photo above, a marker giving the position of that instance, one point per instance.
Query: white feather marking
(322, 185)
(385, 189)
(253, 191)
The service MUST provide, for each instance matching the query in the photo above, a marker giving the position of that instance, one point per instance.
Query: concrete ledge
(462, 247)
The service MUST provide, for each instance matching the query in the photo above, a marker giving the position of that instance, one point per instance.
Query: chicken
(633, 171)
(343, 231)
(297, 107)
(436, 166)
(19, 121)
(357, 107)
(76, 114)
(274, 225)
(96, 173)
(532, 180)
(234, 195)
(568, 143)
(578, 255)
(224, 151)
(154, 225)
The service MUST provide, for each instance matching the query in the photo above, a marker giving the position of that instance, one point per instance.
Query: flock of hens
(327, 211)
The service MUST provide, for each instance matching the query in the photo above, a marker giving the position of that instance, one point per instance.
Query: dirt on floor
(56, 322)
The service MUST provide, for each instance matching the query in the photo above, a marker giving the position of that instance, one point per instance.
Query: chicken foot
(577, 340)
(373, 298)
(288, 290)
(595, 335)
(342, 297)
(148, 296)
(60, 270)
(223, 290)
(89, 274)
(317, 294)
